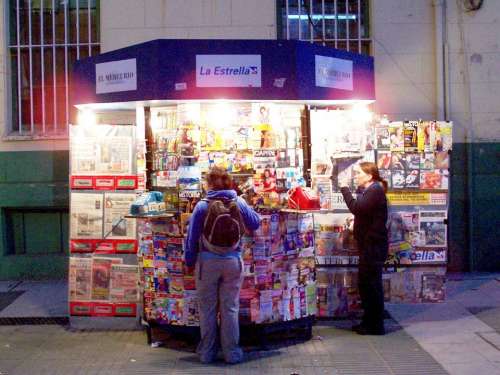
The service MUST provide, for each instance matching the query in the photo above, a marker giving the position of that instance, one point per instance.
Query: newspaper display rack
(103, 270)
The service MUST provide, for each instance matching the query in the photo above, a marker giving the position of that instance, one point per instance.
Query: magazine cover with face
(412, 179)
(410, 129)
(382, 138)
(384, 159)
(432, 179)
(396, 134)
(398, 179)
(442, 160)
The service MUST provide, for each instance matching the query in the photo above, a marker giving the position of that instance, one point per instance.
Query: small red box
(102, 309)
(81, 246)
(124, 309)
(125, 246)
(82, 182)
(126, 182)
(104, 182)
(80, 308)
(104, 246)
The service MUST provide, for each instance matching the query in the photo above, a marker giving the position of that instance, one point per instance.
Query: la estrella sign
(228, 71)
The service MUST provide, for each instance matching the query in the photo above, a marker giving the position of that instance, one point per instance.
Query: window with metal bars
(45, 38)
(342, 24)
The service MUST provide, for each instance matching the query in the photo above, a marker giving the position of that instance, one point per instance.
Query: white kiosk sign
(116, 76)
(333, 73)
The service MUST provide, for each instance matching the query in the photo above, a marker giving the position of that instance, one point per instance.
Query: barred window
(45, 38)
(343, 24)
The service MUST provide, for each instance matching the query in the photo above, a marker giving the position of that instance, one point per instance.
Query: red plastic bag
(301, 198)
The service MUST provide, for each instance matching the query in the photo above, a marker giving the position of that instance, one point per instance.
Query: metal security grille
(342, 24)
(45, 38)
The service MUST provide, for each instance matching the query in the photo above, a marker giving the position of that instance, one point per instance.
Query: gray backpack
(223, 226)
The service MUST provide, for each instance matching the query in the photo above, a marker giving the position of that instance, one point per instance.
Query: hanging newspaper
(335, 134)
(86, 215)
(116, 206)
(123, 283)
(103, 149)
(79, 278)
(101, 277)
(433, 228)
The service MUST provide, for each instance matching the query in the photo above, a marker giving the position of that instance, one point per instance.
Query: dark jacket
(370, 218)
(192, 247)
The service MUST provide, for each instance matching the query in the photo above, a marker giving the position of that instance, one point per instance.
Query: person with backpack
(213, 245)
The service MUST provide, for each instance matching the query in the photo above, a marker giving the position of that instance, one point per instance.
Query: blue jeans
(218, 283)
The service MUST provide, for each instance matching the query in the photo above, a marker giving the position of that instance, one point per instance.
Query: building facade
(434, 59)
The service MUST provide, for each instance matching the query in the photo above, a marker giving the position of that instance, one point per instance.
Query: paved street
(460, 336)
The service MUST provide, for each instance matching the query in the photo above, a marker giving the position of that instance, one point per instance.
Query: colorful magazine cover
(433, 179)
(398, 179)
(263, 159)
(427, 161)
(433, 226)
(398, 160)
(425, 136)
(442, 160)
(412, 179)
(382, 138)
(446, 135)
(410, 130)
(396, 134)
(323, 187)
(412, 160)
(433, 287)
(384, 159)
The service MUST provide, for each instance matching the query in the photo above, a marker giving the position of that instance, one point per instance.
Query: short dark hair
(219, 179)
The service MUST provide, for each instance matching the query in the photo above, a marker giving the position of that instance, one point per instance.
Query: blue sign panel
(223, 69)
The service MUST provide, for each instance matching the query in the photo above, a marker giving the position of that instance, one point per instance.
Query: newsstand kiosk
(155, 117)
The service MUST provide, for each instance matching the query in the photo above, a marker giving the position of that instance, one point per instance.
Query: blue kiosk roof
(179, 70)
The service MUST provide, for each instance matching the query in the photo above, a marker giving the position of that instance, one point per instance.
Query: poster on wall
(86, 215)
(116, 226)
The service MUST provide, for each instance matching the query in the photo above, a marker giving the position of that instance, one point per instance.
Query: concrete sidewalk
(463, 333)
(37, 299)
(459, 336)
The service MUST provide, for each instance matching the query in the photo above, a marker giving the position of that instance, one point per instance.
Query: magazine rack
(413, 157)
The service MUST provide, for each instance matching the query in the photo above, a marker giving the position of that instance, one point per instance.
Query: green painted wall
(34, 179)
(477, 217)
